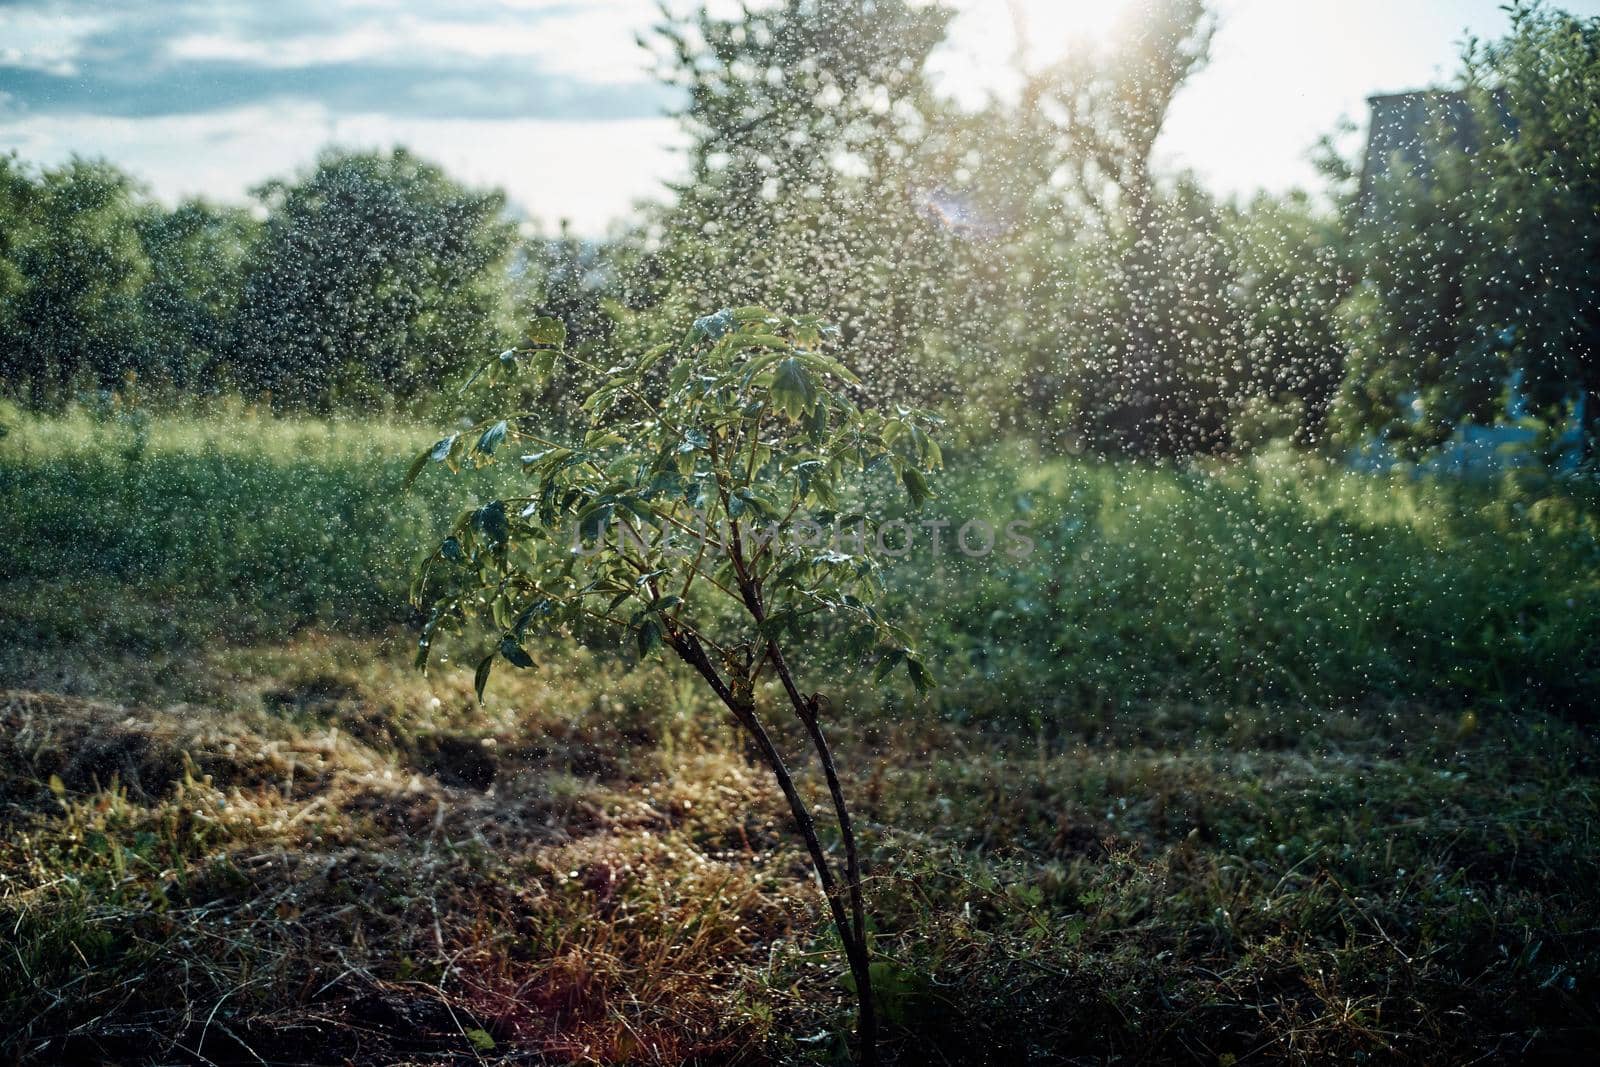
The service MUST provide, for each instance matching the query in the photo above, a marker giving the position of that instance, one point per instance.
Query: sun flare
(1048, 28)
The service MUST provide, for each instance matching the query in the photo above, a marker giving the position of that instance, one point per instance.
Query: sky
(553, 100)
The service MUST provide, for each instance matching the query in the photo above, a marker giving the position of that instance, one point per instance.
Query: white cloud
(1283, 74)
(590, 173)
(594, 41)
(51, 42)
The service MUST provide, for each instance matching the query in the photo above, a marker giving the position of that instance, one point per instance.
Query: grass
(1261, 763)
(1277, 580)
(275, 522)
(588, 873)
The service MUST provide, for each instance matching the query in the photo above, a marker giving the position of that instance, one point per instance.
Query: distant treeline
(372, 275)
(1021, 264)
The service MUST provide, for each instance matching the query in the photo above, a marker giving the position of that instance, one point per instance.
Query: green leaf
(514, 653)
(919, 674)
(543, 607)
(891, 659)
(490, 367)
(793, 391)
(491, 521)
(817, 422)
(649, 637)
(710, 327)
(543, 364)
(777, 622)
(545, 330)
(746, 341)
(442, 448)
(829, 365)
(592, 521)
(651, 358)
(416, 468)
(602, 438)
(756, 366)
(760, 504)
(641, 510)
(916, 485)
(665, 604)
(480, 677)
(549, 457)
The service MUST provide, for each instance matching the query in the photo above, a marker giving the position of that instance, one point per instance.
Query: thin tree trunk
(691, 652)
(806, 709)
(855, 937)
(860, 960)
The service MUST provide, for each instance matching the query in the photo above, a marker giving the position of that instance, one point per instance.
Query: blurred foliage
(368, 280)
(808, 122)
(1480, 281)
(71, 272)
(197, 256)
(1019, 263)
(1545, 184)
(376, 276)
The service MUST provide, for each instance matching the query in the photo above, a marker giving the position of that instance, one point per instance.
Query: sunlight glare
(1053, 27)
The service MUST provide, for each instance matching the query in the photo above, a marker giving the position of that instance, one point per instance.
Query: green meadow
(1262, 759)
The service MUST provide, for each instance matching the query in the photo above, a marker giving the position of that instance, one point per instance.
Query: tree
(571, 279)
(197, 257)
(71, 271)
(807, 185)
(375, 275)
(1481, 275)
(1419, 358)
(1291, 267)
(673, 513)
(1544, 180)
(1095, 117)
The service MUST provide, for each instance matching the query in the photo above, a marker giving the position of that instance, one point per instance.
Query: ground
(1256, 762)
(302, 851)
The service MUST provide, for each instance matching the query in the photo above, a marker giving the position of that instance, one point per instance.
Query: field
(1246, 763)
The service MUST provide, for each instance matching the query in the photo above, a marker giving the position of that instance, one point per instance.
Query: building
(1404, 134)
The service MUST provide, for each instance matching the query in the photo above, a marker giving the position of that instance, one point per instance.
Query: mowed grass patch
(1267, 762)
(232, 524)
(589, 870)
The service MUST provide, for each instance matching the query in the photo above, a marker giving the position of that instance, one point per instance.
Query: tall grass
(1273, 580)
(1279, 579)
(245, 521)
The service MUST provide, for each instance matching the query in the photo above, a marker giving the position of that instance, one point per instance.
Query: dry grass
(183, 883)
(335, 860)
